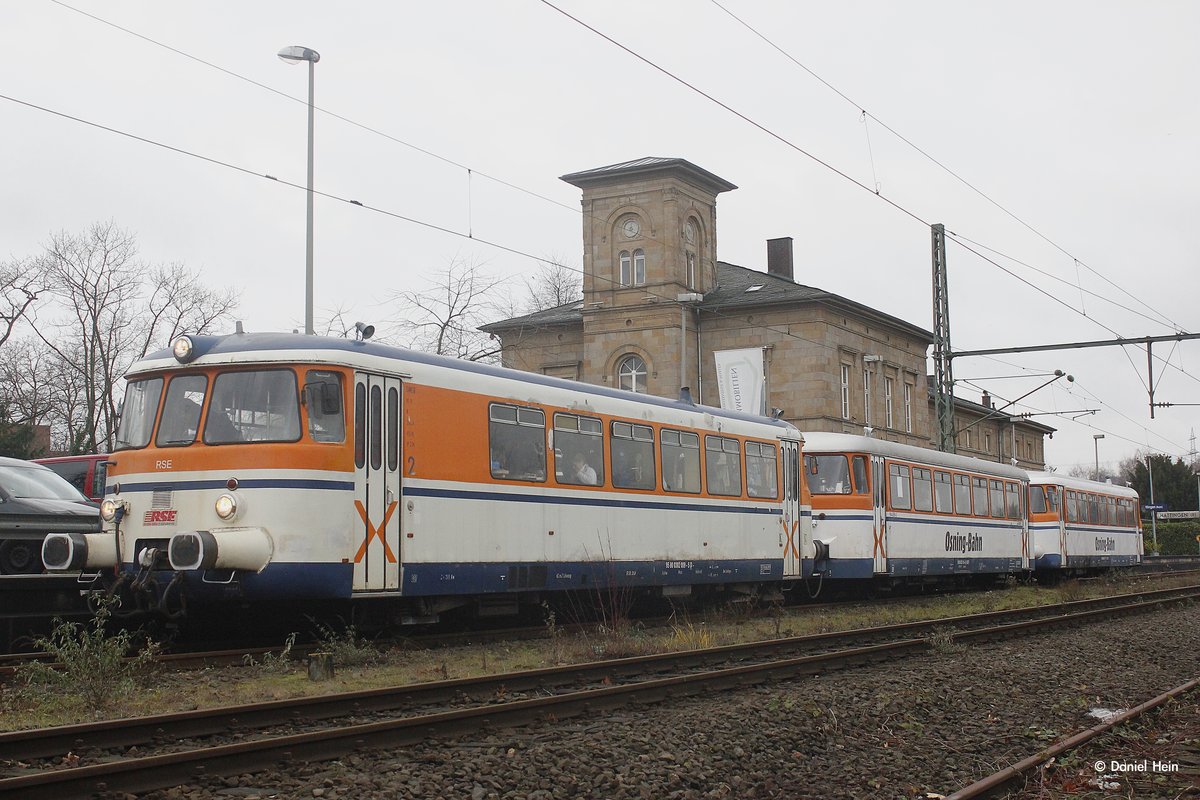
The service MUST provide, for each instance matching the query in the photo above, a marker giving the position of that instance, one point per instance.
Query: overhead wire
(940, 164)
(543, 197)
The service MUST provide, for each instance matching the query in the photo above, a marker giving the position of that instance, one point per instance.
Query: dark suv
(34, 502)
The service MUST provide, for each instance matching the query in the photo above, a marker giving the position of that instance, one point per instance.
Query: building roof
(647, 168)
(566, 314)
(734, 283)
(730, 294)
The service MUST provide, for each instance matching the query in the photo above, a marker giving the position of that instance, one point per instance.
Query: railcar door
(793, 535)
(377, 461)
(879, 515)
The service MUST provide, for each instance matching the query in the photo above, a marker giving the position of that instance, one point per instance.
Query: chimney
(779, 257)
(987, 400)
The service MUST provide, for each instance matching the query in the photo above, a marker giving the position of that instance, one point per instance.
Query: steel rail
(141, 774)
(111, 734)
(999, 781)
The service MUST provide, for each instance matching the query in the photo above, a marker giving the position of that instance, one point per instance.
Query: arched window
(631, 374)
(626, 274)
(639, 267)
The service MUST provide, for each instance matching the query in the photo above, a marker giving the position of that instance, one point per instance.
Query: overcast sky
(1079, 118)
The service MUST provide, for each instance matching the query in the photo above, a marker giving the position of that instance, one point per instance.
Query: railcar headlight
(183, 349)
(108, 510)
(226, 506)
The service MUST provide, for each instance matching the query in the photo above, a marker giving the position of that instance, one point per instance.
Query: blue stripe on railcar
(589, 499)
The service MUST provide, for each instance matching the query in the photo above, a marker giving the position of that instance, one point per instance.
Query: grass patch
(281, 677)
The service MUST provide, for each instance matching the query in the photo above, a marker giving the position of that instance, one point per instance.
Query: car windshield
(38, 483)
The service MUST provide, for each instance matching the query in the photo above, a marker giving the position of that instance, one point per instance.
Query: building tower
(650, 253)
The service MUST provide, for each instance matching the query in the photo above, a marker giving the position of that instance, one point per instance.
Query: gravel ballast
(922, 725)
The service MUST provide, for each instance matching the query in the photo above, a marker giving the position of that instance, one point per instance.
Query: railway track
(199, 659)
(998, 783)
(259, 736)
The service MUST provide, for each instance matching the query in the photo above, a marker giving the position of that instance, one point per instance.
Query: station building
(658, 306)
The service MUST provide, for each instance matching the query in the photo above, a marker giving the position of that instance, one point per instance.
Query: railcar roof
(210, 350)
(825, 442)
(1082, 484)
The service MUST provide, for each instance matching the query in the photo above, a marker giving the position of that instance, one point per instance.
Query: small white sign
(1179, 514)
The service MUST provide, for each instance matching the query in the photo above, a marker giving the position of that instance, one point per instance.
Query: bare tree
(114, 309)
(21, 282)
(445, 318)
(553, 284)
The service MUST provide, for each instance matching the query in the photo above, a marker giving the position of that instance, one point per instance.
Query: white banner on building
(741, 380)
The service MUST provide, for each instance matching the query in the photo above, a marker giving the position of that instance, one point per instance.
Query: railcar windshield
(181, 411)
(827, 474)
(138, 412)
(1037, 500)
(259, 406)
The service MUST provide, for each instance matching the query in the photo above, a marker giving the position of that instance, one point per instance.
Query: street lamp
(1096, 437)
(294, 55)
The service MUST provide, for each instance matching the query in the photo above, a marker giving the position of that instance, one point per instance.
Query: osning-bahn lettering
(1106, 544)
(963, 542)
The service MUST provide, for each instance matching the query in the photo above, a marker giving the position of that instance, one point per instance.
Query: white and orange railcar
(1077, 525)
(891, 512)
(283, 467)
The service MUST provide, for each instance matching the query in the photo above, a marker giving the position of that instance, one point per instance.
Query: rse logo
(160, 517)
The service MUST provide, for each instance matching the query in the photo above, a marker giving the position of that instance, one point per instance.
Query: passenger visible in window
(528, 460)
(581, 471)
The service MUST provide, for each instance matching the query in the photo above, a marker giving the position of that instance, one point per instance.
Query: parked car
(34, 501)
(86, 473)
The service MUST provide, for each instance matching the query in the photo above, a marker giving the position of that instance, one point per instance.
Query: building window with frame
(908, 408)
(888, 384)
(639, 267)
(631, 374)
(845, 391)
(691, 270)
(866, 396)
(987, 442)
(626, 273)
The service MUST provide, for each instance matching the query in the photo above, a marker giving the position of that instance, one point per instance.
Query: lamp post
(1096, 437)
(294, 55)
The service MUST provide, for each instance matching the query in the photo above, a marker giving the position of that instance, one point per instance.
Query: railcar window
(1012, 493)
(722, 463)
(517, 442)
(376, 427)
(997, 498)
(181, 411)
(1052, 498)
(1093, 507)
(922, 489)
(979, 494)
(74, 473)
(681, 461)
(578, 450)
(861, 484)
(632, 455)
(138, 412)
(761, 470)
(259, 406)
(942, 493)
(393, 429)
(1037, 500)
(360, 425)
(827, 474)
(323, 399)
(898, 486)
(1072, 507)
(962, 494)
